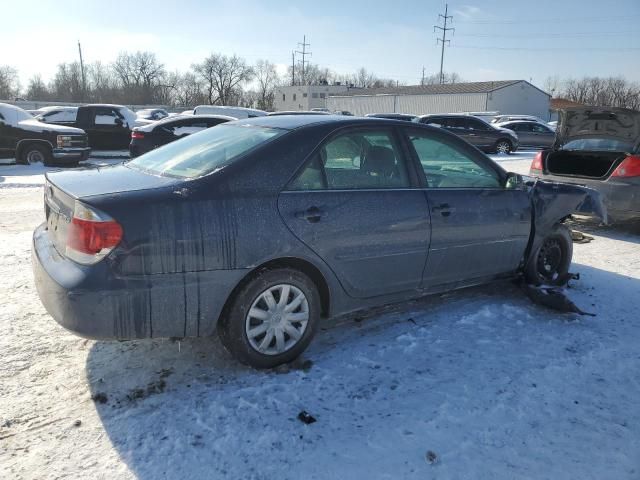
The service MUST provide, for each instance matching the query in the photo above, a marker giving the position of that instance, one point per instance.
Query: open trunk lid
(607, 123)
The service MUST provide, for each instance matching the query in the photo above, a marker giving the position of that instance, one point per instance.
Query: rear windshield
(204, 152)
(598, 144)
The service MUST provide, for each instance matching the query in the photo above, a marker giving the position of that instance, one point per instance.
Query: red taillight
(92, 238)
(630, 167)
(91, 235)
(136, 134)
(536, 164)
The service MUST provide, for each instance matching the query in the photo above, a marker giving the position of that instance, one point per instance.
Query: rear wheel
(503, 146)
(35, 154)
(550, 263)
(272, 319)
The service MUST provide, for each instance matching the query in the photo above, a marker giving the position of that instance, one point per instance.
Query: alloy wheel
(549, 258)
(503, 147)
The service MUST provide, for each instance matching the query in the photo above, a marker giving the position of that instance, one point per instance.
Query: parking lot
(477, 384)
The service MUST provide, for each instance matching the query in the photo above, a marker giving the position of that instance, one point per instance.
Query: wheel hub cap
(277, 319)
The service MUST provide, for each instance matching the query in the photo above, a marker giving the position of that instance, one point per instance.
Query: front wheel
(503, 146)
(549, 264)
(272, 319)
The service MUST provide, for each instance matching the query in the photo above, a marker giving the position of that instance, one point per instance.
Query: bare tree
(222, 77)
(612, 92)
(37, 90)
(67, 83)
(434, 79)
(9, 83)
(140, 76)
(189, 90)
(267, 79)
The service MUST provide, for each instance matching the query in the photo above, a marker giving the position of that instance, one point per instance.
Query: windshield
(204, 152)
(598, 144)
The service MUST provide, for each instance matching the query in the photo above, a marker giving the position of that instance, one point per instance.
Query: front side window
(446, 166)
(204, 152)
(356, 160)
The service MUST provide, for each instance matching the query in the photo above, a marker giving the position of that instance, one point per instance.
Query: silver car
(597, 147)
(530, 133)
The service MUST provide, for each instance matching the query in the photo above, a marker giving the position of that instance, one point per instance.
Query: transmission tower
(443, 40)
(304, 53)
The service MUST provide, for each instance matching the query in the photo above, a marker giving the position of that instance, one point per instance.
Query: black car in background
(261, 228)
(31, 141)
(530, 133)
(393, 116)
(154, 135)
(107, 126)
(475, 131)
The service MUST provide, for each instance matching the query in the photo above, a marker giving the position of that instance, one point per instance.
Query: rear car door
(477, 132)
(357, 205)
(109, 128)
(479, 228)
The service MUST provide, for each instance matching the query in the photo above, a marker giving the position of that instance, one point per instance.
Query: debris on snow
(100, 398)
(579, 237)
(306, 418)
(431, 457)
(553, 298)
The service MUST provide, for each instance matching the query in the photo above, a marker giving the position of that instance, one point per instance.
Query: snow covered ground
(492, 385)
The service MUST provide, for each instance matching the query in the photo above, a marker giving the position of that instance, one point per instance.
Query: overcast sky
(493, 40)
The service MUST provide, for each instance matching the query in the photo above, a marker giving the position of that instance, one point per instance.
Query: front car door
(479, 228)
(356, 203)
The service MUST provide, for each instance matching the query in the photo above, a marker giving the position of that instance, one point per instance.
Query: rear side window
(356, 160)
(536, 127)
(204, 152)
(106, 116)
(446, 166)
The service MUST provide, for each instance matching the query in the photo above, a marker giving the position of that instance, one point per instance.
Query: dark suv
(475, 131)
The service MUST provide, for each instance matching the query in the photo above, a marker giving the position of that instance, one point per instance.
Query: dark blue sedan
(258, 229)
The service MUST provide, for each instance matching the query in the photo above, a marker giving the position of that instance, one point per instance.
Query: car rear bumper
(94, 303)
(622, 200)
(71, 155)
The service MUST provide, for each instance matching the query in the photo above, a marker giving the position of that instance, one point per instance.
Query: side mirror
(514, 182)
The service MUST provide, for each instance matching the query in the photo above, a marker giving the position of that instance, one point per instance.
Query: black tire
(549, 264)
(503, 146)
(33, 151)
(232, 327)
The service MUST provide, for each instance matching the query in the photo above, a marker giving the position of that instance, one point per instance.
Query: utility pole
(443, 40)
(84, 81)
(293, 68)
(422, 81)
(304, 53)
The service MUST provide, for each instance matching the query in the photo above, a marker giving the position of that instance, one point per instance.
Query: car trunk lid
(609, 123)
(63, 188)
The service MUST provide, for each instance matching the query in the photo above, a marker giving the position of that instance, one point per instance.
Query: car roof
(290, 122)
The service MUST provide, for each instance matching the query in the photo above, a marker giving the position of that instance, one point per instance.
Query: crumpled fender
(553, 202)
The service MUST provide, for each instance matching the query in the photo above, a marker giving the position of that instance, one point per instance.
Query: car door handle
(444, 208)
(311, 214)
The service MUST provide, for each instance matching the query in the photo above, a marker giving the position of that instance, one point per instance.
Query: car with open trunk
(597, 147)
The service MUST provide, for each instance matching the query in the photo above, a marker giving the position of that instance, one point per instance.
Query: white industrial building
(305, 97)
(505, 96)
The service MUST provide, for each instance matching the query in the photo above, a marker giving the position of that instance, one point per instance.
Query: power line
(304, 53)
(444, 40)
(529, 35)
(551, 49)
(563, 20)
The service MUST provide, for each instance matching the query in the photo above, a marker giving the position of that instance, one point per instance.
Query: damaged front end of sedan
(551, 204)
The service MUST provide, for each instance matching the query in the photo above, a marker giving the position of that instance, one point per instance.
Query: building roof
(560, 103)
(447, 88)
